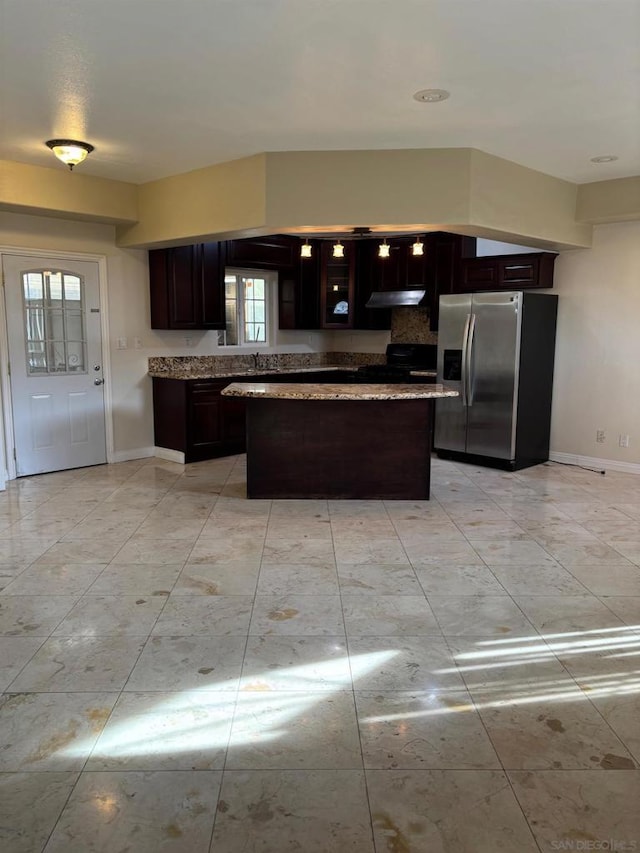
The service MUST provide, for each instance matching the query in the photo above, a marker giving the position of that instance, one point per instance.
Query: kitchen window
(247, 308)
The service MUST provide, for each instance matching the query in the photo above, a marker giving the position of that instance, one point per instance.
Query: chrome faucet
(256, 360)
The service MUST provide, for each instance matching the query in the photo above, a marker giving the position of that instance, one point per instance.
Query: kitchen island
(368, 441)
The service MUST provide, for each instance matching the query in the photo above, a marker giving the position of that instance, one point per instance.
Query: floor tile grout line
(496, 753)
(353, 691)
(238, 688)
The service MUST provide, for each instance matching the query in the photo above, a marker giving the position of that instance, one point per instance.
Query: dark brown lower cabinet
(192, 417)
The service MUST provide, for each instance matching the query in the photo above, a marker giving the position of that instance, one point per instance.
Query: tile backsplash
(224, 363)
(410, 325)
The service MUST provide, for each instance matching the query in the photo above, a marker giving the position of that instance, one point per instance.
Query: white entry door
(55, 356)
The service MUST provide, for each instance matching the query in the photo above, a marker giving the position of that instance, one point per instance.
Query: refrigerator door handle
(463, 367)
(468, 357)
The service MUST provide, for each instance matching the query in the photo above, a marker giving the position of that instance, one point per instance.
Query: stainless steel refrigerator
(497, 350)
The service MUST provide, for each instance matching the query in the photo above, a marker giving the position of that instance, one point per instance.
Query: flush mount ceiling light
(431, 96)
(417, 248)
(383, 249)
(604, 158)
(306, 249)
(70, 151)
(338, 250)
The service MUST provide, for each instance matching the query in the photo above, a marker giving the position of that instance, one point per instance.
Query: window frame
(271, 294)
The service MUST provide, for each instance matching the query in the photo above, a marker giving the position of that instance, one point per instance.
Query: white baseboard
(168, 455)
(595, 462)
(129, 455)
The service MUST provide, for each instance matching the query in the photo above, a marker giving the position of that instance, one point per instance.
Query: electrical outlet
(121, 343)
(188, 342)
(600, 436)
(623, 440)
(137, 343)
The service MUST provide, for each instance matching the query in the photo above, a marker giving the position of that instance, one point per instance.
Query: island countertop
(335, 391)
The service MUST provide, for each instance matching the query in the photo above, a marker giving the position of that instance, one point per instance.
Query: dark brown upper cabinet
(299, 291)
(275, 252)
(337, 286)
(444, 256)
(187, 287)
(400, 271)
(506, 272)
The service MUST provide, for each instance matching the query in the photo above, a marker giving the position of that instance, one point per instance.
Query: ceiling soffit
(461, 190)
(451, 189)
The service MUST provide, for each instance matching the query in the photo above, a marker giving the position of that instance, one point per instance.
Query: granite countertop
(333, 391)
(207, 373)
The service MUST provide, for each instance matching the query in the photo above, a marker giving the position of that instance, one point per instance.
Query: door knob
(98, 381)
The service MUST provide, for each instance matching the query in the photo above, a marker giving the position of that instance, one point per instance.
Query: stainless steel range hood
(393, 298)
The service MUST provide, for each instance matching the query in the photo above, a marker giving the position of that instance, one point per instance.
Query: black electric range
(401, 360)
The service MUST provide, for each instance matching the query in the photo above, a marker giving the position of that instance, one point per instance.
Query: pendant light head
(338, 250)
(306, 249)
(70, 151)
(417, 248)
(384, 249)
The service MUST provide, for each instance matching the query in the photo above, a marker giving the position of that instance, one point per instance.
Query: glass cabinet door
(337, 287)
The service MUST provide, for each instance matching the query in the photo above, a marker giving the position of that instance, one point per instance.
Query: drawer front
(518, 273)
(479, 274)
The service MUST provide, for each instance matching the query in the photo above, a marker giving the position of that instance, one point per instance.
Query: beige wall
(59, 192)
(597, 384)
(209, 203)
(609, 201)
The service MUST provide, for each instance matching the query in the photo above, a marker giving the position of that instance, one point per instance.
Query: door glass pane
(72, 291)
(57, 362)
(75, 357)
(74, 326)
(55, 335)
(33, 288)
(54, 324)
(55, 287)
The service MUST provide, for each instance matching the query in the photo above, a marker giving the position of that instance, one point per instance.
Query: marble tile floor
(188, 671)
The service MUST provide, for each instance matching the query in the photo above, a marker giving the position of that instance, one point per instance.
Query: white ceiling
(166, 86)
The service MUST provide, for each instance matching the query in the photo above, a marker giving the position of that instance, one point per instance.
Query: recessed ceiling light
(431, 96)
(605, 158)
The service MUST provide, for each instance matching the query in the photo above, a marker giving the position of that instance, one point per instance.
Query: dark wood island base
(368, 442)
(368, 449)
